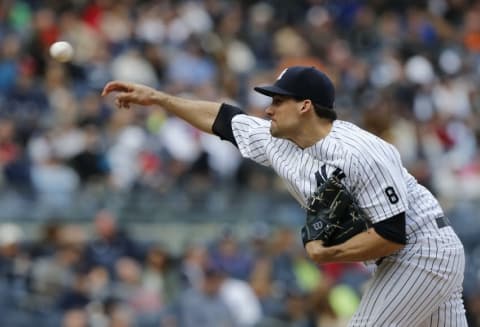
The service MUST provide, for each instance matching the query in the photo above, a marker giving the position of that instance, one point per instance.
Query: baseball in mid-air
(61, 51)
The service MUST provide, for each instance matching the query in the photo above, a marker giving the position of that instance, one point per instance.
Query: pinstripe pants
(419, 287)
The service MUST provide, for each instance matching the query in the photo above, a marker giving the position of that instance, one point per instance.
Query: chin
(277, 133)
(279, 136)
(274, 132)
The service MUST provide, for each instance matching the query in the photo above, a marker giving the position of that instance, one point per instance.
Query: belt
(442, 222)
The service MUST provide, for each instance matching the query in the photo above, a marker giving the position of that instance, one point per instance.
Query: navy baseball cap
(304, 83)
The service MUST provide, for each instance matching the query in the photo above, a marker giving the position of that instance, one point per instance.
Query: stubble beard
(275, 132)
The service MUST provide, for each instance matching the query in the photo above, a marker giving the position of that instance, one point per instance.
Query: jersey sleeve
(222, 126)
(252, 135)
(382, 191)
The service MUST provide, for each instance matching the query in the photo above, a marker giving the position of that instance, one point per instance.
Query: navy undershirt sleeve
(222, 125)
(392, 229)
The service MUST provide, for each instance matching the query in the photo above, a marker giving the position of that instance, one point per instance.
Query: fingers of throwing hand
(122, 102)
(116, 87)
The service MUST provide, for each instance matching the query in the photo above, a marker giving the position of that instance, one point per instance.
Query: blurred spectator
(14, 261)
(51, 275)
(161, 274)
(241, 300)
(49, 239)
(271, 302)
(9, 66)
(75, 318)
(472, 28)
(144, 302)
(55, 183)
(190, 68)
(297, 310)
(131, 66)
(283, 249)
(110, 244)
(194, 262)
(228, 256)
(90, 163)
(13, 161)
(123, 155)
(76, 295)
(98, 283)
(204, 306)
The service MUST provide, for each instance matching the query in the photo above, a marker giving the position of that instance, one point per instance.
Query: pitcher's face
(284, 113)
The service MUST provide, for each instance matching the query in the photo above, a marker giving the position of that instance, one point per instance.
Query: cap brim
(271, 90)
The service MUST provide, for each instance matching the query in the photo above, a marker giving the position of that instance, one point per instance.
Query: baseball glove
(333, 216)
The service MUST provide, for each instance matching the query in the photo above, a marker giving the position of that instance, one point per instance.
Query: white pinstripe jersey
(374, 171)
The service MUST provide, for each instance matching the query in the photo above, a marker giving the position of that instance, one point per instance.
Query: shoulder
(342, 129)
(251, 128)
(344, 139)
(248, 120)
(355, 139)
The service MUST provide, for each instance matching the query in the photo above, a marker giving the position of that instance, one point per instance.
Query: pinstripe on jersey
(418, 286)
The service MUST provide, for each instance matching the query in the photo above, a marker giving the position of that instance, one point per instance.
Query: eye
(276, 101)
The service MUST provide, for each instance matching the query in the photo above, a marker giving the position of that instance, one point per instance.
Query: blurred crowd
(68, 278)
(406, 70)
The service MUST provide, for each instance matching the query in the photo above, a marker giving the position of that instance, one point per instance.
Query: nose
(269, 111)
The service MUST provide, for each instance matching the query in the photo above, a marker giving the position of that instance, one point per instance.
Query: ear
(306, 106)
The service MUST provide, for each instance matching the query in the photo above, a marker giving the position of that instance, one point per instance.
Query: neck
(312, 132)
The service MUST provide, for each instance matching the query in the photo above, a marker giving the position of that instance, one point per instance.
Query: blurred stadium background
(132, 218)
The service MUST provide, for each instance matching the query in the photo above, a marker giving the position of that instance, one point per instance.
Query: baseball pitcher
(361, 203)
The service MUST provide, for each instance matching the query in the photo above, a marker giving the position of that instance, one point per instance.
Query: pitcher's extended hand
(130, 93)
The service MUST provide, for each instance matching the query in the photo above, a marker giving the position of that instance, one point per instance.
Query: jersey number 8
(392, 196)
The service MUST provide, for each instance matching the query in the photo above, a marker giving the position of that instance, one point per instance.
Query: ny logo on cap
(282, 73)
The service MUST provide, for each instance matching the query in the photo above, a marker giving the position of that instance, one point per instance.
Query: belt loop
(442, 222)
